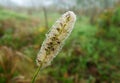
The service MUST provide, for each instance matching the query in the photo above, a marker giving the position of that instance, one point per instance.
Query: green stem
(36, 73)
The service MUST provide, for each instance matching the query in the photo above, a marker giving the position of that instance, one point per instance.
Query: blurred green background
(91, 54)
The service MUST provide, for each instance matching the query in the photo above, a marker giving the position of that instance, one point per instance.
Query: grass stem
(36, 73)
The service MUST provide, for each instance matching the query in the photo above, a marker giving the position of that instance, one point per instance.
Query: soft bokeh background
(91, 54)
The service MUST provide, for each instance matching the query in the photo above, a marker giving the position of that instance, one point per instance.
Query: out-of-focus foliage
(110, 17)
(116, 16)
(11, 64)
(91, 53)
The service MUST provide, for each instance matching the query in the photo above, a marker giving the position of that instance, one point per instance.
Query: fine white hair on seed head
(55, 38)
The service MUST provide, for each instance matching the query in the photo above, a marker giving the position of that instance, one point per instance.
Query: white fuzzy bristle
(55, 38)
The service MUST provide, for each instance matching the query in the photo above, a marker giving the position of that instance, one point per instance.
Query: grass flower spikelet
(55, 38)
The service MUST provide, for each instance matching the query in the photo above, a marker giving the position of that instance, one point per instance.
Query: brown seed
(50, 43)
(61, 24)
(39, 60)
(54, 38)
(58, 29)
(52, 49)
(58, 42)
(46, 49)
(64, 25)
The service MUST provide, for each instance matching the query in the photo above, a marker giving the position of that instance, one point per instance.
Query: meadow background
(90, 55)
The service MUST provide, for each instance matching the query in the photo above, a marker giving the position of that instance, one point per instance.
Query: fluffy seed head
(55, 38)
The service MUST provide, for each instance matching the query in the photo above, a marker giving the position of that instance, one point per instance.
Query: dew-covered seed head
(55, 38)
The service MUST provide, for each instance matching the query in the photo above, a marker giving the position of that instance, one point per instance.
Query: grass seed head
(55, 38)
